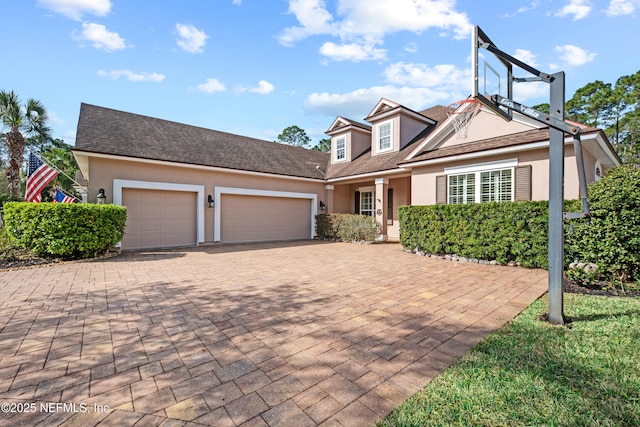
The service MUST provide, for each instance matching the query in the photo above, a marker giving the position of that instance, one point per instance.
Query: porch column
(382, 185)
(328, 191)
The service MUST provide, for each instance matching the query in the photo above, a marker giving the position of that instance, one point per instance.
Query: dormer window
(385, 133)
(341, 152)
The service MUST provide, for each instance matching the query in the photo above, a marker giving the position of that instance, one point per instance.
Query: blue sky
(254, 67)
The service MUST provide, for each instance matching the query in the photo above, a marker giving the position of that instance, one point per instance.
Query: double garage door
(160, 219)
(245, 218)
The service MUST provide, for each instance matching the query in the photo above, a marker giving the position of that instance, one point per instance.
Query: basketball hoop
(461, 114)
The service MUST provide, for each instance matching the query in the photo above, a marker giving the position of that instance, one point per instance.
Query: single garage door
(159, 219)
(260, 218)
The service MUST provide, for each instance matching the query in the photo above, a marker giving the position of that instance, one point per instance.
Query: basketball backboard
(491, 74)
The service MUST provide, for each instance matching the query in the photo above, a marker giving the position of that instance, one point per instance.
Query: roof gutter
(370, 175)
(513, 149)
(84, 166)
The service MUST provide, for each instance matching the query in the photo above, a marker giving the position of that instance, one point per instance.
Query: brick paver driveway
(295, 334)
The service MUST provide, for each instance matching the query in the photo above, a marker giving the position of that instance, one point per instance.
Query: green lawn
(530, 373)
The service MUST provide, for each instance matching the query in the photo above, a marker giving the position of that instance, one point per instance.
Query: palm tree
(20, 121)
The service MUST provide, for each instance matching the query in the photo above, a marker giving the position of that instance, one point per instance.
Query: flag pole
(48, 162)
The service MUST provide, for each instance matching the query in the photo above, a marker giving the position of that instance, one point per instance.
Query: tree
(295, 136)
(625, 133)
(545, 108)
(613, 109)
(20, 120)
(324, 145)
(592, 105)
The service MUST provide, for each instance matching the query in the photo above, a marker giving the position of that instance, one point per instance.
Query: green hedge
(65, 230)
(347, 227)
(612, 240)
(491, 231)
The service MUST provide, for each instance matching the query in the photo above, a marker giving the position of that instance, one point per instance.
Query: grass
(530, 373)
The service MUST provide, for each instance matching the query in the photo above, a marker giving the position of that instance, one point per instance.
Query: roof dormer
(394, 126)
(349, 139)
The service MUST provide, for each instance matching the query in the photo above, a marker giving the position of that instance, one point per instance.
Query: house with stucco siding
(185, 185)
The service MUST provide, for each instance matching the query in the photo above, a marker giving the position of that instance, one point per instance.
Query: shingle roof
(106, 131)
(437, 113)
(511, 140)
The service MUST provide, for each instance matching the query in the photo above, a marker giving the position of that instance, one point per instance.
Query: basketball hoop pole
(556, 201)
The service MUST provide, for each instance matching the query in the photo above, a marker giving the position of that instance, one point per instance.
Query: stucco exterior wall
(409, 128)
(103, 171)
(401, 196)
(487, 125)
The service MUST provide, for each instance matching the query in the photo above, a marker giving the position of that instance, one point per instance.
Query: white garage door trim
(119, 184)
(219, 191)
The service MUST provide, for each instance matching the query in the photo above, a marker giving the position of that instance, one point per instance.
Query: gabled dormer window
(385, 137)
(341, 151)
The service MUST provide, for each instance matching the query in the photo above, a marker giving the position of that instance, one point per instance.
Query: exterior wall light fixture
(210, 201)
(323, 206)
(101, 198)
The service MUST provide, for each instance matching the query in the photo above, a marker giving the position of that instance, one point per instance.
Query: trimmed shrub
(347, 227)
(65, 230)
(612, 240)
(515, 231)
(324, 229)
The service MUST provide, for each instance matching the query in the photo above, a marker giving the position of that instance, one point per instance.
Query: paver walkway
(293, 334)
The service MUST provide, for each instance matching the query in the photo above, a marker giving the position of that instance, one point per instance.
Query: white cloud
(533, 5)
(411, 47)
(131, 76)
(351, 52)
(622, 7)
(313, 17)
(54, 118)
(237, 2)
(211, 86)
(263, 88)
(74, 9)
(579, 9)
(574, 56)
(421, 75)
(530, 90)
(99, 37)
(190, 39)
(363, 24)
(526, 56)
(358, 103)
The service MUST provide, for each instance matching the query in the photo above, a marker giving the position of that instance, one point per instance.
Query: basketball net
(461, 114)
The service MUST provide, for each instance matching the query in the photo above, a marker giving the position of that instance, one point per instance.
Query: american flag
(60, 197)
(39, 174)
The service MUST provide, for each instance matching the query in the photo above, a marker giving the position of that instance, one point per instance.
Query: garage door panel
(259, 218)
(158, 218)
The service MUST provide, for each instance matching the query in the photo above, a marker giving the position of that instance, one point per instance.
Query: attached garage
(159, 219)
(246, 215)
(160, 215)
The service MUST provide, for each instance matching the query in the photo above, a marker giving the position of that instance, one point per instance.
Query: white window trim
(120, 184)
(344, 140)
(478, 186)
(219, 191)
(597, 166)
(391, 141)
(481, 167)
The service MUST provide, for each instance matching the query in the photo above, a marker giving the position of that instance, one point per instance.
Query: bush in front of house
(505, 232)
(347, 227)
(612, 240)
(65, 230)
